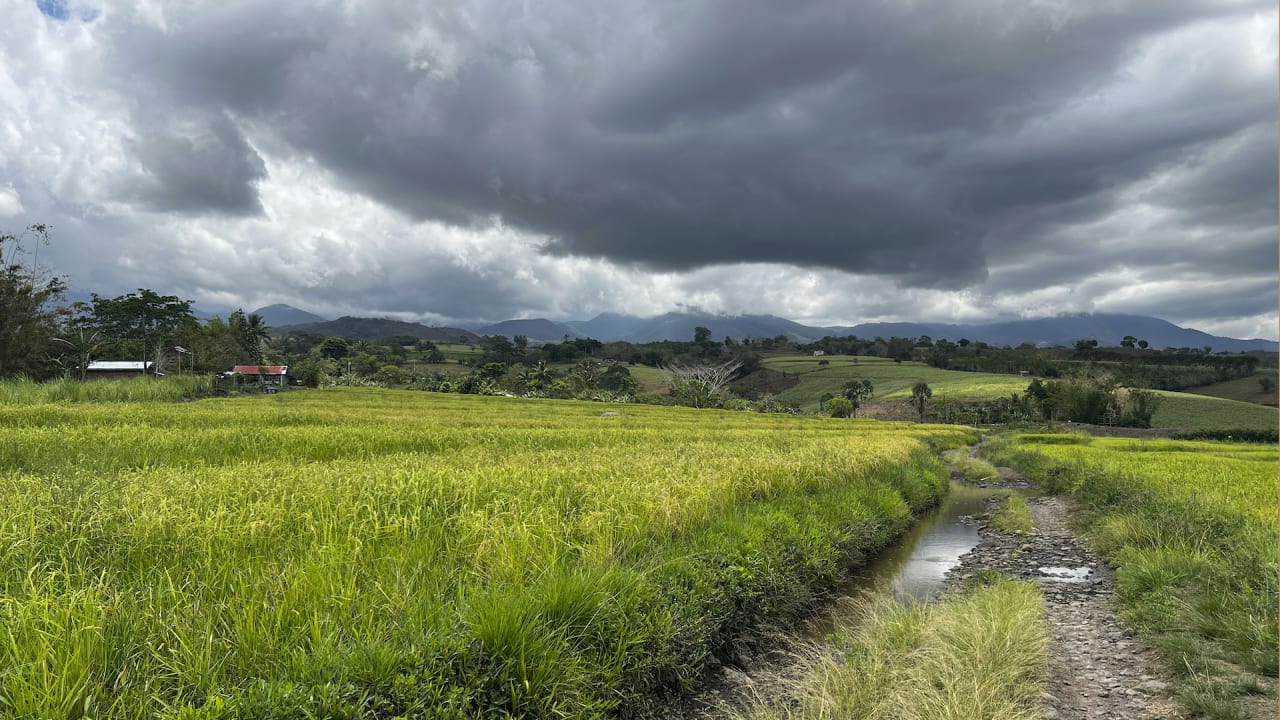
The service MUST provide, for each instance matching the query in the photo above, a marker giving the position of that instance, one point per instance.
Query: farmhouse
(118, 369)
(271, 377)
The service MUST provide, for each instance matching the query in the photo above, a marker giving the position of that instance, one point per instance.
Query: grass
(892, 381)
(1013, 516)
(1241, 389)
(971, 468)
(650, 379)
(1191, 529)
(142, 389)
(1199, 412)
(979, 656)
(363, 553)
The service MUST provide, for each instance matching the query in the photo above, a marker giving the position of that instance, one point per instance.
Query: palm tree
(249, 333)
(84, 344)
(540, 375)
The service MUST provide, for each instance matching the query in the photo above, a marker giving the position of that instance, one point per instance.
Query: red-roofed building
(272, 377)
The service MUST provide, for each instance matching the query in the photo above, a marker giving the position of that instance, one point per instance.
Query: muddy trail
(1098, 669)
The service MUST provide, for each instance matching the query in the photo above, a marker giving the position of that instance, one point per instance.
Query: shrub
(839, 407)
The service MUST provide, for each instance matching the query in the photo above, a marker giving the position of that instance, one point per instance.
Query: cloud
(10, 202)
(481, 160)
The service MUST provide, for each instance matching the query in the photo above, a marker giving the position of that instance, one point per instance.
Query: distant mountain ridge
(278, 314)
(1107, 328)
(374, 328)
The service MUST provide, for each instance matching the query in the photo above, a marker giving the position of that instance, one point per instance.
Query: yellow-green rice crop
(1191, 527)
(357, 553)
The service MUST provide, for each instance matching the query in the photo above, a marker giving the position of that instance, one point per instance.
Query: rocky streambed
(1098, 668)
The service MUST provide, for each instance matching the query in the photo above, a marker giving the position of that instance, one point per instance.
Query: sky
(829, 162)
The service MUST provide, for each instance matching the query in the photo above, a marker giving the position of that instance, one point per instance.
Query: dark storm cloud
(206, 166)
(921, 141)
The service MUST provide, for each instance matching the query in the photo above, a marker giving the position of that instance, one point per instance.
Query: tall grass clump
(1191, 528)
(982, 655)
(1012, 516)
(365, 553)
(23, 391)
(971, 468)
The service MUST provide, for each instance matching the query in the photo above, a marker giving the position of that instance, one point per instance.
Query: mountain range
(1107, 328)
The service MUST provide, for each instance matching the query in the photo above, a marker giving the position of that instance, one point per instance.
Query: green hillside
(1243, 389)
(892, 380)
(1200, 412)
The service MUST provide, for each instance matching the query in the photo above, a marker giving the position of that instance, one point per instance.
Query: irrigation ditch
(1098, 668)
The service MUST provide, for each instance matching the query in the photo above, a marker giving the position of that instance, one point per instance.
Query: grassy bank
(363, 553)
(1191, 529)
(143, 389)
(980, 656)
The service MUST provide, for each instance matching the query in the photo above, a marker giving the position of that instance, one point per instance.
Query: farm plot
(358, 553)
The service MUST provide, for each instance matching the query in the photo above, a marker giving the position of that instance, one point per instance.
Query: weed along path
(996, 525)
(1098, 669)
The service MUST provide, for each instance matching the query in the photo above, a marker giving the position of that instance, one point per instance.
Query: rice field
(362, 553)
(1192, 529)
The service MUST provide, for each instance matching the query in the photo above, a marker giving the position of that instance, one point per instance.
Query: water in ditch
(914, 569)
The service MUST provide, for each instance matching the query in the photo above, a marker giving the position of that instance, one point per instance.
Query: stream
(915, 567)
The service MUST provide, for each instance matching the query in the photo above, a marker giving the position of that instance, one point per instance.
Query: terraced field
(364, 553)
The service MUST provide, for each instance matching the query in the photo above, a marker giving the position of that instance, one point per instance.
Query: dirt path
(1098, 668)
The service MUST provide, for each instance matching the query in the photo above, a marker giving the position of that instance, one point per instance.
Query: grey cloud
(196, 167)
(879, 138)
(989, 145)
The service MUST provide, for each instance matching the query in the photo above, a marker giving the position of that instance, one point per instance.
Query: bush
(839, 407)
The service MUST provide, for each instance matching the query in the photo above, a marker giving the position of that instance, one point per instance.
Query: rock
(1152, 686)
(735, 677)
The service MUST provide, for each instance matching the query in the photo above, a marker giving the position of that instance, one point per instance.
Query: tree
(142, 321)
(28, 318)
(855, 391)
(539, 376)
(839, 407)
(1267, 384)
(84, 343)
(699, 385)
(1128, 341)
(334, 348)
(920, 394)
(251, 333)
(1144, 344)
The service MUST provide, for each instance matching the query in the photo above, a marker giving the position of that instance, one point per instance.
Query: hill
(278, 314)
(893, 381)
(1108, 329)
(374, 328)
(537, 330)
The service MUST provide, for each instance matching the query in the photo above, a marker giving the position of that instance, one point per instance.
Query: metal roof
(254, 369)
(119, 365)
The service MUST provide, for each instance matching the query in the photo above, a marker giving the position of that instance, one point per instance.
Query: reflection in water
(916, 567)
(1065, 574)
